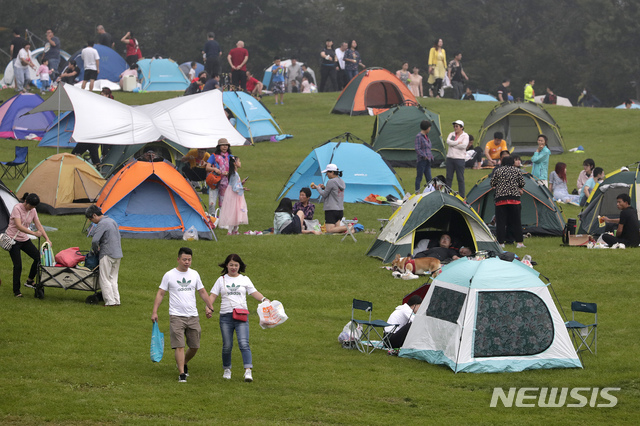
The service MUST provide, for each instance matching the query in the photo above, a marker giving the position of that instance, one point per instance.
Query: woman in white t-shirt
(233, 289)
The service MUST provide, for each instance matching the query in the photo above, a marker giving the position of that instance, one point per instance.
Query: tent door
(382, 94)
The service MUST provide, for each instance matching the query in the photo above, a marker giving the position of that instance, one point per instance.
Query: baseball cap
(330, 168)
(460, 122)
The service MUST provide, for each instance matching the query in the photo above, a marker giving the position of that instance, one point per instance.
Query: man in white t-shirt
(182, 283)
(91, 60)
(342, 75)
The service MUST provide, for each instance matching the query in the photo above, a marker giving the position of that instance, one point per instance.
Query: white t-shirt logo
(184, 285)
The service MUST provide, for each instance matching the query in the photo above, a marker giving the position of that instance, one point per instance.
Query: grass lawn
(65, 362)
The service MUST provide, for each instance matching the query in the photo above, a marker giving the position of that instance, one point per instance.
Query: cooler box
(128, 83)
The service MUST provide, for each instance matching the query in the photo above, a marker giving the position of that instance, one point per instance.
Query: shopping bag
(271, 314)
(157, 343)
(190, 234)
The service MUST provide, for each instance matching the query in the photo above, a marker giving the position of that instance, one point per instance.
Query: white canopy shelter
(195, 121)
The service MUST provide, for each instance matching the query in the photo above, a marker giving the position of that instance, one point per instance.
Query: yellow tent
(65, 183)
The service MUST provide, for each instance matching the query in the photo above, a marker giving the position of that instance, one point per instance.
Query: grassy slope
(66, 362)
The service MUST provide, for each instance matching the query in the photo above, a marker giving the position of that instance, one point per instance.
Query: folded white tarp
(195, 121)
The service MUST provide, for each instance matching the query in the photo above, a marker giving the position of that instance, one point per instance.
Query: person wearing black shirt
(329, 67)
(503, 90)
(628, 232)
(211, 52)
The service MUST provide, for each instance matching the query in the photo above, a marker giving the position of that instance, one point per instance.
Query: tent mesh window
(446, 304)
(511, 323)
(382, 95)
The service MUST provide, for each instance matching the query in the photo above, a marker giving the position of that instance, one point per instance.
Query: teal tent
(602, 201)
(364, 171)
(428, 216)
(161, 75)
(253, 120)
(490, 316)
(521, 123)
(540, 214)
(394, 134)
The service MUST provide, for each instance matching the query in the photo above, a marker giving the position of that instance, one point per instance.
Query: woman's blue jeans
(227, 326)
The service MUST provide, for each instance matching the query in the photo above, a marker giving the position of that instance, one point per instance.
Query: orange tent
(153, 200)
(375, 88)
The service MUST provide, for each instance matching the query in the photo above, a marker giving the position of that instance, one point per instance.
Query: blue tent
(186, 66)
(364, 171)
(254, 121)
(483, 97)
(111, 63)
(162, 75)
(15, 123)
(62, 137)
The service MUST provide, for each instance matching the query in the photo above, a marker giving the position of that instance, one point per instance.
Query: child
(192, 71)
(43, 75)
(106, 92)
(234, 209)
(278, 77)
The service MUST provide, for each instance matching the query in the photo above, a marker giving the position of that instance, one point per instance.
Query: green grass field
(65, 362)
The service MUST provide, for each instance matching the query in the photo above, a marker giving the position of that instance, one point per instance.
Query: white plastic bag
(271, 314)
(190, 234)
(351, 332)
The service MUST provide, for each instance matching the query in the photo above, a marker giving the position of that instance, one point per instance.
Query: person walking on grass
(233, 288)
(278, 73)
(182, 282)
(22, 216)
(106, 242)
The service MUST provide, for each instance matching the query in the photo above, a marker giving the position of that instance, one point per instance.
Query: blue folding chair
(371, 329)
(584, 336)
(19, 166)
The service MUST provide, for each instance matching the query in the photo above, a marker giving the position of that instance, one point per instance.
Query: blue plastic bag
(157, 343)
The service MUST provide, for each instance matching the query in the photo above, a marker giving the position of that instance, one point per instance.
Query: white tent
(490, 316)
(195, 121)
(7, 79)
(560, 101)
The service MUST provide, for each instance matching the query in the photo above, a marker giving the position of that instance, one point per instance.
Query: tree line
(567, 45)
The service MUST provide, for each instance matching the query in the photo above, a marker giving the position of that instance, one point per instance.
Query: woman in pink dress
(415, 83)
(234, 209)
(219, 163)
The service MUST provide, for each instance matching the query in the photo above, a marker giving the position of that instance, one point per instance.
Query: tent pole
(58, 143)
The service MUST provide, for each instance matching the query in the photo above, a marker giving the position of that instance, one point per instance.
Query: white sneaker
(615, 246)
(520, 245)
(247, 375)
(622, 246)
(226, 374)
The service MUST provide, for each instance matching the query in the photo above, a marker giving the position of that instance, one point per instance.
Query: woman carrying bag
(232, 287)
(22, 216)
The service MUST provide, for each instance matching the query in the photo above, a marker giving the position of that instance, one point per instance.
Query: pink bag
(69, 257)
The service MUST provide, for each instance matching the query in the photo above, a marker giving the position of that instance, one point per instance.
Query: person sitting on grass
(558, 185)
(303, 204)
(286, 222)
(402, 318)
(596, 176)
(333, 199)
(473, 158)
(628, 232)
(493, 149)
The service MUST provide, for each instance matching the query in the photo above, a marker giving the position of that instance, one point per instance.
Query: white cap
(330, 168)
(460, 122)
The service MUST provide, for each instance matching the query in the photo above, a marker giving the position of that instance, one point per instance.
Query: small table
(349, 229)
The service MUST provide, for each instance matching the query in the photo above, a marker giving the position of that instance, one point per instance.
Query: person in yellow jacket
(437, 67)
(529, 94)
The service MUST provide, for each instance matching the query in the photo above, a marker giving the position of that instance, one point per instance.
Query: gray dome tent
(521, 123)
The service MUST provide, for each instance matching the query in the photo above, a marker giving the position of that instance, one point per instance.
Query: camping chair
(370, 329)
(584, 335)
(18, 166)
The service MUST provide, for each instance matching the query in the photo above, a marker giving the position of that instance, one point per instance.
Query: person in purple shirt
(423, 153)
(304, 205)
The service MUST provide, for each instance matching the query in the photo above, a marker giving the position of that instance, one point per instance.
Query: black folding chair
(370, 329)
(19, 166)
(584, 336)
